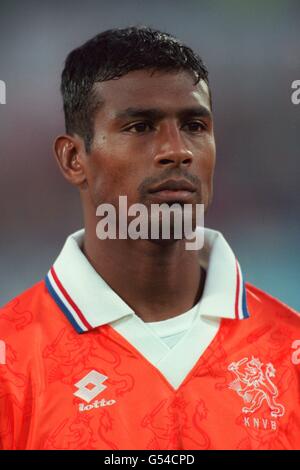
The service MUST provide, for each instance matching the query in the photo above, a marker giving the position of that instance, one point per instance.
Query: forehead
(148, 89)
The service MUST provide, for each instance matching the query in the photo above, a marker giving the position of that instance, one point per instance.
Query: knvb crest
(254, 384)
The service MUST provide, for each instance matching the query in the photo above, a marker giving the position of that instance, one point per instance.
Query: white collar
(89, 302)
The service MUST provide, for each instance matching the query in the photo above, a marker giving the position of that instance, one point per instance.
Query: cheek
(110, 176)
(205, 171)
(207, 164)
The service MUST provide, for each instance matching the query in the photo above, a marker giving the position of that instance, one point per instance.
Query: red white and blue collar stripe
(88, 302)
(66, 303)
(240, 307)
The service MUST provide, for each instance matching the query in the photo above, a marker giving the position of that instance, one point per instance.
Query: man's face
(152, 128)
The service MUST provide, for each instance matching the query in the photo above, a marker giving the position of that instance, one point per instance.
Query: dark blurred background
(252, 51)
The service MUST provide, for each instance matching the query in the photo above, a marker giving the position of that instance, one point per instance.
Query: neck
(157, 281)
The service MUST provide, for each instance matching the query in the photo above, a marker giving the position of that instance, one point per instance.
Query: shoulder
(19, 360)
(271, 321)
(271, 333)
(265, 305)
(27, 324)
(19, 315)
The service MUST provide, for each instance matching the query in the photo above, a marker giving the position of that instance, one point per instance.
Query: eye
(139, 127)
(195, 126)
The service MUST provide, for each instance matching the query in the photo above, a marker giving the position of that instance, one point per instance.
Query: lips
(174, 185)
(173, 191)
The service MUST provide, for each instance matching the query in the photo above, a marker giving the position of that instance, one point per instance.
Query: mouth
(181, 191)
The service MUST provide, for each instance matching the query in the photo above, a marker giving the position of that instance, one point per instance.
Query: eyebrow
(156, 114)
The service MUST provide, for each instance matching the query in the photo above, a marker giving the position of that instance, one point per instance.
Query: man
(141, 343)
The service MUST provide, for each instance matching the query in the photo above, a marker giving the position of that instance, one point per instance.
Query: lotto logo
(96, 404)
(93, 379)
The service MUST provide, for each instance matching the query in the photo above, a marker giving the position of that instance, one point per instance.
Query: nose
(171, 148)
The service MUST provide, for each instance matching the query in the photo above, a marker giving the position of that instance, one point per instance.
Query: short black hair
(110, 55)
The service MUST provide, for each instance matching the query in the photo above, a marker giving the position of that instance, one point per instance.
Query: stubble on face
(123, 163)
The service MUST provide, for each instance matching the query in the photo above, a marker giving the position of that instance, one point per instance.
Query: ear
(70, 154)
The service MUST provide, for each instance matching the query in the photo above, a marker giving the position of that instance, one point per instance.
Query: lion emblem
(253, 383)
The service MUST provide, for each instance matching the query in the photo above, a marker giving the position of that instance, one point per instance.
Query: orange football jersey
(68, 384)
